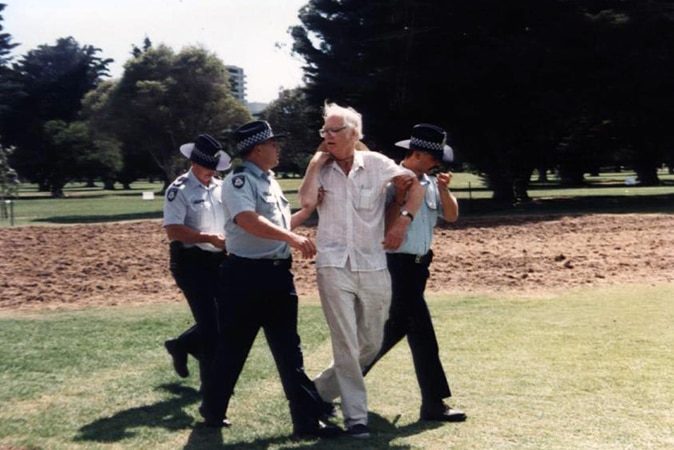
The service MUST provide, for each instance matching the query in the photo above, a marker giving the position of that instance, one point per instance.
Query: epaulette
(180, 180)
(239, 169)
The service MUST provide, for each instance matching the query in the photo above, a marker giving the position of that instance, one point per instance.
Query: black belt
(280, 262)
(411, 258)
(194, 253)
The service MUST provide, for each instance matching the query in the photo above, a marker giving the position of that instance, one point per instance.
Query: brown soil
(124, 263)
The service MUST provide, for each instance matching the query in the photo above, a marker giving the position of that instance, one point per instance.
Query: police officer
(409, 315)
(194, 223)
(260, 288)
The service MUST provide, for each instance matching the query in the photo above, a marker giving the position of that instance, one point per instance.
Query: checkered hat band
(254, 139)
(201, 155)
(204, 159)
(420, 143)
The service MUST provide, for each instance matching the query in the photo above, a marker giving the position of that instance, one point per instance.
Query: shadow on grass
(383, 433)
(166, 414)
(536, 210)
(598, 204)
(486, 212)
(101, 218)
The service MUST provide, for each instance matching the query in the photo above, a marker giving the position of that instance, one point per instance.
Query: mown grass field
(586, 369)
(607, 192)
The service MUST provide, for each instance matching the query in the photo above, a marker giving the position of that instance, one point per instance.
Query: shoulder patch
(171, 194)
(238, 181)
(180, 180)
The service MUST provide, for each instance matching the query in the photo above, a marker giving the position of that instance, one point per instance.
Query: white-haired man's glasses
(331, 131)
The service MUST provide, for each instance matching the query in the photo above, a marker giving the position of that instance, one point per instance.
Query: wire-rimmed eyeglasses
(331, 131)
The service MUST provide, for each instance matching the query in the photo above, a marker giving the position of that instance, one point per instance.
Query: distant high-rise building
(237, 81)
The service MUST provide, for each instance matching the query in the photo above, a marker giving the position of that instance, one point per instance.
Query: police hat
(207, 152)
(431, 139)
(253, 133)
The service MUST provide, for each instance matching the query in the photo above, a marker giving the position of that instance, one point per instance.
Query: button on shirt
(351, 224)
(188, 202)
(250, 189)
(419, 233)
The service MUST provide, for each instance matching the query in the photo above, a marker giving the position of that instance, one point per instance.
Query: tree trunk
(502, 188)
(648, 176)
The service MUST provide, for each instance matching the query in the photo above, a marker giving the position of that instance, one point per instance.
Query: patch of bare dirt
(124, 263)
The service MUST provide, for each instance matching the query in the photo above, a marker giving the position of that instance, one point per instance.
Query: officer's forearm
(450, 206)
(259, 226)
(187, 235)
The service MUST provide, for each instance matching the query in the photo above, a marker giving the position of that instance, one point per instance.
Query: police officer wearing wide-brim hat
(260, 288)
(195, 225)
(409, 268)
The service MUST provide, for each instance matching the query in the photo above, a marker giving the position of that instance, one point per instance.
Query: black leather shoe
(328, 410)
(179, 357)
(322, 430)
(441, 413)
(213, 423)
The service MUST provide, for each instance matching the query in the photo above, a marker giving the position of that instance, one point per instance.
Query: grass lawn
(605, 193)
(583, 369)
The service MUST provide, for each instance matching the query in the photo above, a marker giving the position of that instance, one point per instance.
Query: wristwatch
(406, 213)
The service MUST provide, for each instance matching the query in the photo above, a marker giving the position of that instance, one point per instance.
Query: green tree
(639, 101)
(165, 99)
(510, 81)
(106, 162)
(8, 86)
(53, 81)
(9, 180)
(292, 114)
(6, 44)
(495, 74)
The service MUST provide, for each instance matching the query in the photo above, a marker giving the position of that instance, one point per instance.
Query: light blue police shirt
(188, 202)
(248, 188)
(419, 235)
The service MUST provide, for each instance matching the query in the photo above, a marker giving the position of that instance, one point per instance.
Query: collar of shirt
(211, 184)
(424, 179)
(358, 162)
(255, 170)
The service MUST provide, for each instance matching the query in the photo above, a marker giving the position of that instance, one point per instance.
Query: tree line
(521, 86)
(63, 121)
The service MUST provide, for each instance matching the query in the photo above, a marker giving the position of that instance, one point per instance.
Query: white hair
(351, 117)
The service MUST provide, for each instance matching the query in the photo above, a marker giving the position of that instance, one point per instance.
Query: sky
(242, 33)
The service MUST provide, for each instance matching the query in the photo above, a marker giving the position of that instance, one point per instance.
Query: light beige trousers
(356, 306)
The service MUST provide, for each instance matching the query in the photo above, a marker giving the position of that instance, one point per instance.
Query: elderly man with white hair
(353, 281)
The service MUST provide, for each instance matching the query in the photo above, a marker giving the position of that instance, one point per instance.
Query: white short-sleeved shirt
(188, 202)
(351, 213)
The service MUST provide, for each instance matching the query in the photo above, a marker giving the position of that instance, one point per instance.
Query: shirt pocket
(200, 204)
(431, 199)
(367, 197)
(266, 204)
(200, 211)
